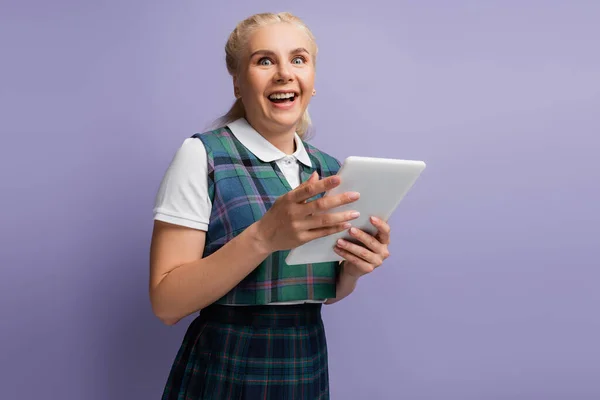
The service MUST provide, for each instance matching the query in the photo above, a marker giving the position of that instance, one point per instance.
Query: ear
(236, 88)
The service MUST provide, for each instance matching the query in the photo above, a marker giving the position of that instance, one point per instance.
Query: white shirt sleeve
(182, 197)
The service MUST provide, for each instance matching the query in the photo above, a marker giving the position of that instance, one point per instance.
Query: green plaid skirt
(252, 352)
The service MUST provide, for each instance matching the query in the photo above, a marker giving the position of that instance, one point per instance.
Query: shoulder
(190, 161)
(214, 140)
(326, 160)
(190, 154)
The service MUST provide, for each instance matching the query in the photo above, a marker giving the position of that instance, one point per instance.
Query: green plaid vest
(242, 188)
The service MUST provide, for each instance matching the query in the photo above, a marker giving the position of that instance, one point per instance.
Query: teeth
(279, 96)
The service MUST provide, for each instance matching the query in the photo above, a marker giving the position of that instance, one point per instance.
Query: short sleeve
(183, 197)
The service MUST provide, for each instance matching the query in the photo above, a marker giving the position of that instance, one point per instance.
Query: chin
(287, 119)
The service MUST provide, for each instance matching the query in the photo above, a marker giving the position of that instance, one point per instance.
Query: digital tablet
(382, 184)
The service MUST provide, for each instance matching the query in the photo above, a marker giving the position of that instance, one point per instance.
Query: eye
(298, 60)
(265, 61)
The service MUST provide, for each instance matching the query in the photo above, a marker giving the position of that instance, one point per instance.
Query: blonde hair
(236, 44)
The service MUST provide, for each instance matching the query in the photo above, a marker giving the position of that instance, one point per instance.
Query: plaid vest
(242, 188)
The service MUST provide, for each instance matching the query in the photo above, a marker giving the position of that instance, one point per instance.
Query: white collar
(261, 147)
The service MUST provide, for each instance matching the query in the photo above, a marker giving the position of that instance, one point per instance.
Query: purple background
(492, 290)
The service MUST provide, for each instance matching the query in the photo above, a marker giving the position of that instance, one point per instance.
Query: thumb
(313, 177)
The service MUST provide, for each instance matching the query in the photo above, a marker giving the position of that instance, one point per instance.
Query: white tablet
(382, 184)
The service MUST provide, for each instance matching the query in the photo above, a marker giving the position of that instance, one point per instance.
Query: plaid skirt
(252, 352)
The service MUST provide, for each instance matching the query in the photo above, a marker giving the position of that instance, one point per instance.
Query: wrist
(347, 276)
(346, 284)
(259, 240)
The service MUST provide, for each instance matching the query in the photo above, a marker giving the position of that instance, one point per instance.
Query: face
(276, 78)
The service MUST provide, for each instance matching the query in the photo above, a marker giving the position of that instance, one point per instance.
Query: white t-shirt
(182, 197)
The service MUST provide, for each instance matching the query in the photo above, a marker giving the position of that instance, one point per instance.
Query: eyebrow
(271, 53)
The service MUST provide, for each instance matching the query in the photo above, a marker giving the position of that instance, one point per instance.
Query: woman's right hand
(292, 221)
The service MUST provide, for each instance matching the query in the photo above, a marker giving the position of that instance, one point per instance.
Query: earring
(314, 92)
(237, 93)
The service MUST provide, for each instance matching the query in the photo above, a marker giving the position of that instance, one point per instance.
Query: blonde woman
(231, 204)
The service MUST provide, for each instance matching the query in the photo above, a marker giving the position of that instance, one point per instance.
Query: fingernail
(346, 225)
(341, 242)
(354, 214)
(353, 195)
(335, 180)
(354, 231)
(374, 219)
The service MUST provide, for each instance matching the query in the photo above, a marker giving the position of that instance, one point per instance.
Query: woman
(232, 203)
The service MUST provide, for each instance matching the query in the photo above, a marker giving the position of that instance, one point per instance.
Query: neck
(280, 137)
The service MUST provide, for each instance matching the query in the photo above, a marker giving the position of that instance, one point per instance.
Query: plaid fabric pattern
(242, 188)
(252, 352)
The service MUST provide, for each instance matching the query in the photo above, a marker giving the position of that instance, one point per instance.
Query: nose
(283, 75)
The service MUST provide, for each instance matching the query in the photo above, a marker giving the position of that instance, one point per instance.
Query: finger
(361, 264)
(328, 202)
(383, 230)
(312, 178)
(322, 232)
(310, 189)
(368, 240)
(328, 219)
(360, 252)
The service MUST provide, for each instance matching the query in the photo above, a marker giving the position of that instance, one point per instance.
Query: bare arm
(345, 286)
(182, 282)
(361, 260)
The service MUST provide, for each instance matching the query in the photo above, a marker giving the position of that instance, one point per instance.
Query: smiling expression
(277, 75)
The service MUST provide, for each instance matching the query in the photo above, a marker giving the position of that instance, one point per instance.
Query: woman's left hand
(359, 260)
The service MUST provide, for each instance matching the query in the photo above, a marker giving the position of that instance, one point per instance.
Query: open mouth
(283, 97)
